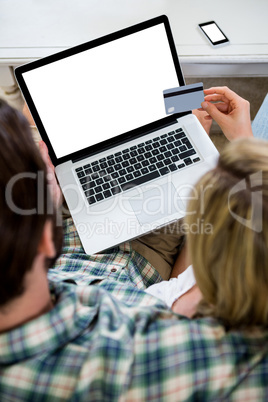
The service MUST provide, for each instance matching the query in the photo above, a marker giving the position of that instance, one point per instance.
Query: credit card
(185, 98)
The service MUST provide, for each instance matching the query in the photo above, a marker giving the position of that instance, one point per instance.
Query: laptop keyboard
(136, 165)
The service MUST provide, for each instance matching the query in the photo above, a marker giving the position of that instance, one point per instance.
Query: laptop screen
(99, 93)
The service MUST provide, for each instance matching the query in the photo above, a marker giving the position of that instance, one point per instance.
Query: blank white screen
(213, 32)
(105, 91)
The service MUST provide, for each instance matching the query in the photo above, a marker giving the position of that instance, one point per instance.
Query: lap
(161, 247)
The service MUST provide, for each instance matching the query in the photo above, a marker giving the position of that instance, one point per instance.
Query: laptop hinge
(103, 147)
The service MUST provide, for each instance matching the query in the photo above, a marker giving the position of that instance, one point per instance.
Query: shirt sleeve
(117, 265)
(171, 290)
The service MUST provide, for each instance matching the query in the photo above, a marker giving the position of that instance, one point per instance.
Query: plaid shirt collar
(75, 309)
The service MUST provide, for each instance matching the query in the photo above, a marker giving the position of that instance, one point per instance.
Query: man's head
(25, 202)
(231, 261)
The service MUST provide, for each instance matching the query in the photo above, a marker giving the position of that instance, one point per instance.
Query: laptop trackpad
(157, 203)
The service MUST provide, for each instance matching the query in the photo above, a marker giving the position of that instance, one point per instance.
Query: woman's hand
(232, 113)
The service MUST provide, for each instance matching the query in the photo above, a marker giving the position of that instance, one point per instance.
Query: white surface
(32, 29)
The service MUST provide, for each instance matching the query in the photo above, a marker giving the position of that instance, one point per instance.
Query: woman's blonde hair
(231, 260)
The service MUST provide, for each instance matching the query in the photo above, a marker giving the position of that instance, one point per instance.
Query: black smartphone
(213, 33)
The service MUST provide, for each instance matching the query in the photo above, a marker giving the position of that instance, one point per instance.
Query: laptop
(124, 166)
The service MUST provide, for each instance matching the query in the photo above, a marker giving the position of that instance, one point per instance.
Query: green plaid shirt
(111, 341)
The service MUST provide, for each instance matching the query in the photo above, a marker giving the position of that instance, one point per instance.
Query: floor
(252, 89)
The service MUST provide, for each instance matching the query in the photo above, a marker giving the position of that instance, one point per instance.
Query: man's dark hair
(25, 202)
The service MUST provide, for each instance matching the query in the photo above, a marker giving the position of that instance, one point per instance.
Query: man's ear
(46, 245)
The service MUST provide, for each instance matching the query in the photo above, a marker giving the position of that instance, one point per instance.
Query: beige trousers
(161, 247)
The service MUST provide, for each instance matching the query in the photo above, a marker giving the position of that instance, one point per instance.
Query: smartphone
(213, 33)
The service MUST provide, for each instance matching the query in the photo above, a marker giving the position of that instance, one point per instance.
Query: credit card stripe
(183, 92)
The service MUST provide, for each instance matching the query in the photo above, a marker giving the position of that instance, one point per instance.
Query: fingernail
(204, 105)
